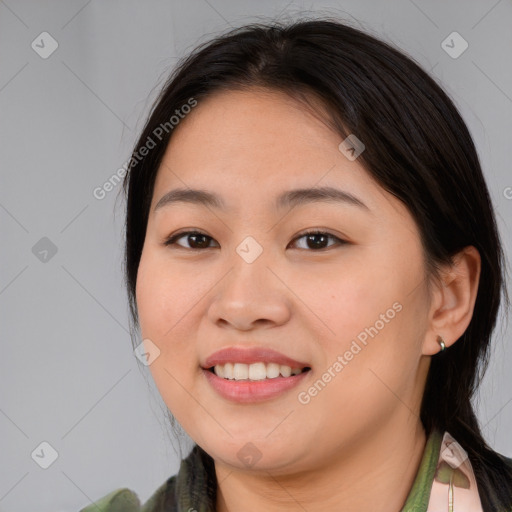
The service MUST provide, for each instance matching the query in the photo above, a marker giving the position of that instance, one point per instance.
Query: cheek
(160, 296)
(148, 296)
(349, 299)
(373, 315)
(169, 304)
(164, 310)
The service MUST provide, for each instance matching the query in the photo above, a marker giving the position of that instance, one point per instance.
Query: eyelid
(321, 231)
(171, 240)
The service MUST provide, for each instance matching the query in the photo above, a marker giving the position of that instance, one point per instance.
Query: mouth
(241, 387)
(255, 371)
(253, 374)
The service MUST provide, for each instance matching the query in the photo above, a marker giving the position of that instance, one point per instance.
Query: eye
(315, 239)
(199, 239)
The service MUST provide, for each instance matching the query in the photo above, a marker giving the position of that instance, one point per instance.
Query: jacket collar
(445, 480)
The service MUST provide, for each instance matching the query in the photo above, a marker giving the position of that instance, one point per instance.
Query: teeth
(240, 371)
(254, 371)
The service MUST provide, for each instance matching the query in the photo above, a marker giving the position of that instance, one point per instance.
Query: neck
(374, 473)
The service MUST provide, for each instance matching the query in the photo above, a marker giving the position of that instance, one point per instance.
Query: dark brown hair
(418, 148)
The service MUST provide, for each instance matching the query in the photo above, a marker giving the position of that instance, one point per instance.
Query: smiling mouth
(255, 372)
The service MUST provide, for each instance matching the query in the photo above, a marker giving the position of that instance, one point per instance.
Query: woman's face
(351, 304)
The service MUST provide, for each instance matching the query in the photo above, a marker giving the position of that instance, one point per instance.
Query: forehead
(249, 144)
(242, 124)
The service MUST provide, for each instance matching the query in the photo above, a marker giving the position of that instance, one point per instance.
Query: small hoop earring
(441, 342)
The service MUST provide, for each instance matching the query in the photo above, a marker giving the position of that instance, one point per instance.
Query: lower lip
(248, 391)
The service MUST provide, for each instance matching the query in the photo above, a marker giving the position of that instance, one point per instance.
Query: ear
(453, 300)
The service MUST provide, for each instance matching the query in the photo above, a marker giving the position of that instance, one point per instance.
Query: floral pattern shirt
(445, 482)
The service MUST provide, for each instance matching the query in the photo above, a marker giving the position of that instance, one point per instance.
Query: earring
(441, 342)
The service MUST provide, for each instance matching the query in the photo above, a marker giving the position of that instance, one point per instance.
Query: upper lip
(250, 355)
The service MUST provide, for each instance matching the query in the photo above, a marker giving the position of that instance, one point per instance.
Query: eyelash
(172, 239)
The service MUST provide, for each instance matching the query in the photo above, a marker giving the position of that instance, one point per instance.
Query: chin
(259, 454)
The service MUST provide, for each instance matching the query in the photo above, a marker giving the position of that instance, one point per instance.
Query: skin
(359, 441)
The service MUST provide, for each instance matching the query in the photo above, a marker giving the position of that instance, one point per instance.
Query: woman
(313, 261)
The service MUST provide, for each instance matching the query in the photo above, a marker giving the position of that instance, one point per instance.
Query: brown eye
(196, 240)
(315, 240)
(318, 240)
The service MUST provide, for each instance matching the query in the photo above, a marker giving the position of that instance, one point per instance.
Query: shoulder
(126, 500)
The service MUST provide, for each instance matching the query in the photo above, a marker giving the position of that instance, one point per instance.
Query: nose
(250, 295)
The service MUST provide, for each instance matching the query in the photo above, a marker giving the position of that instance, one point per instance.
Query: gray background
(68, 375)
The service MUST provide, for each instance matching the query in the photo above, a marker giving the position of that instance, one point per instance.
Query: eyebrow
(289, 198)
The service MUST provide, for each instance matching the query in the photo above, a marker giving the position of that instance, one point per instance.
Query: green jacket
(444, 482)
